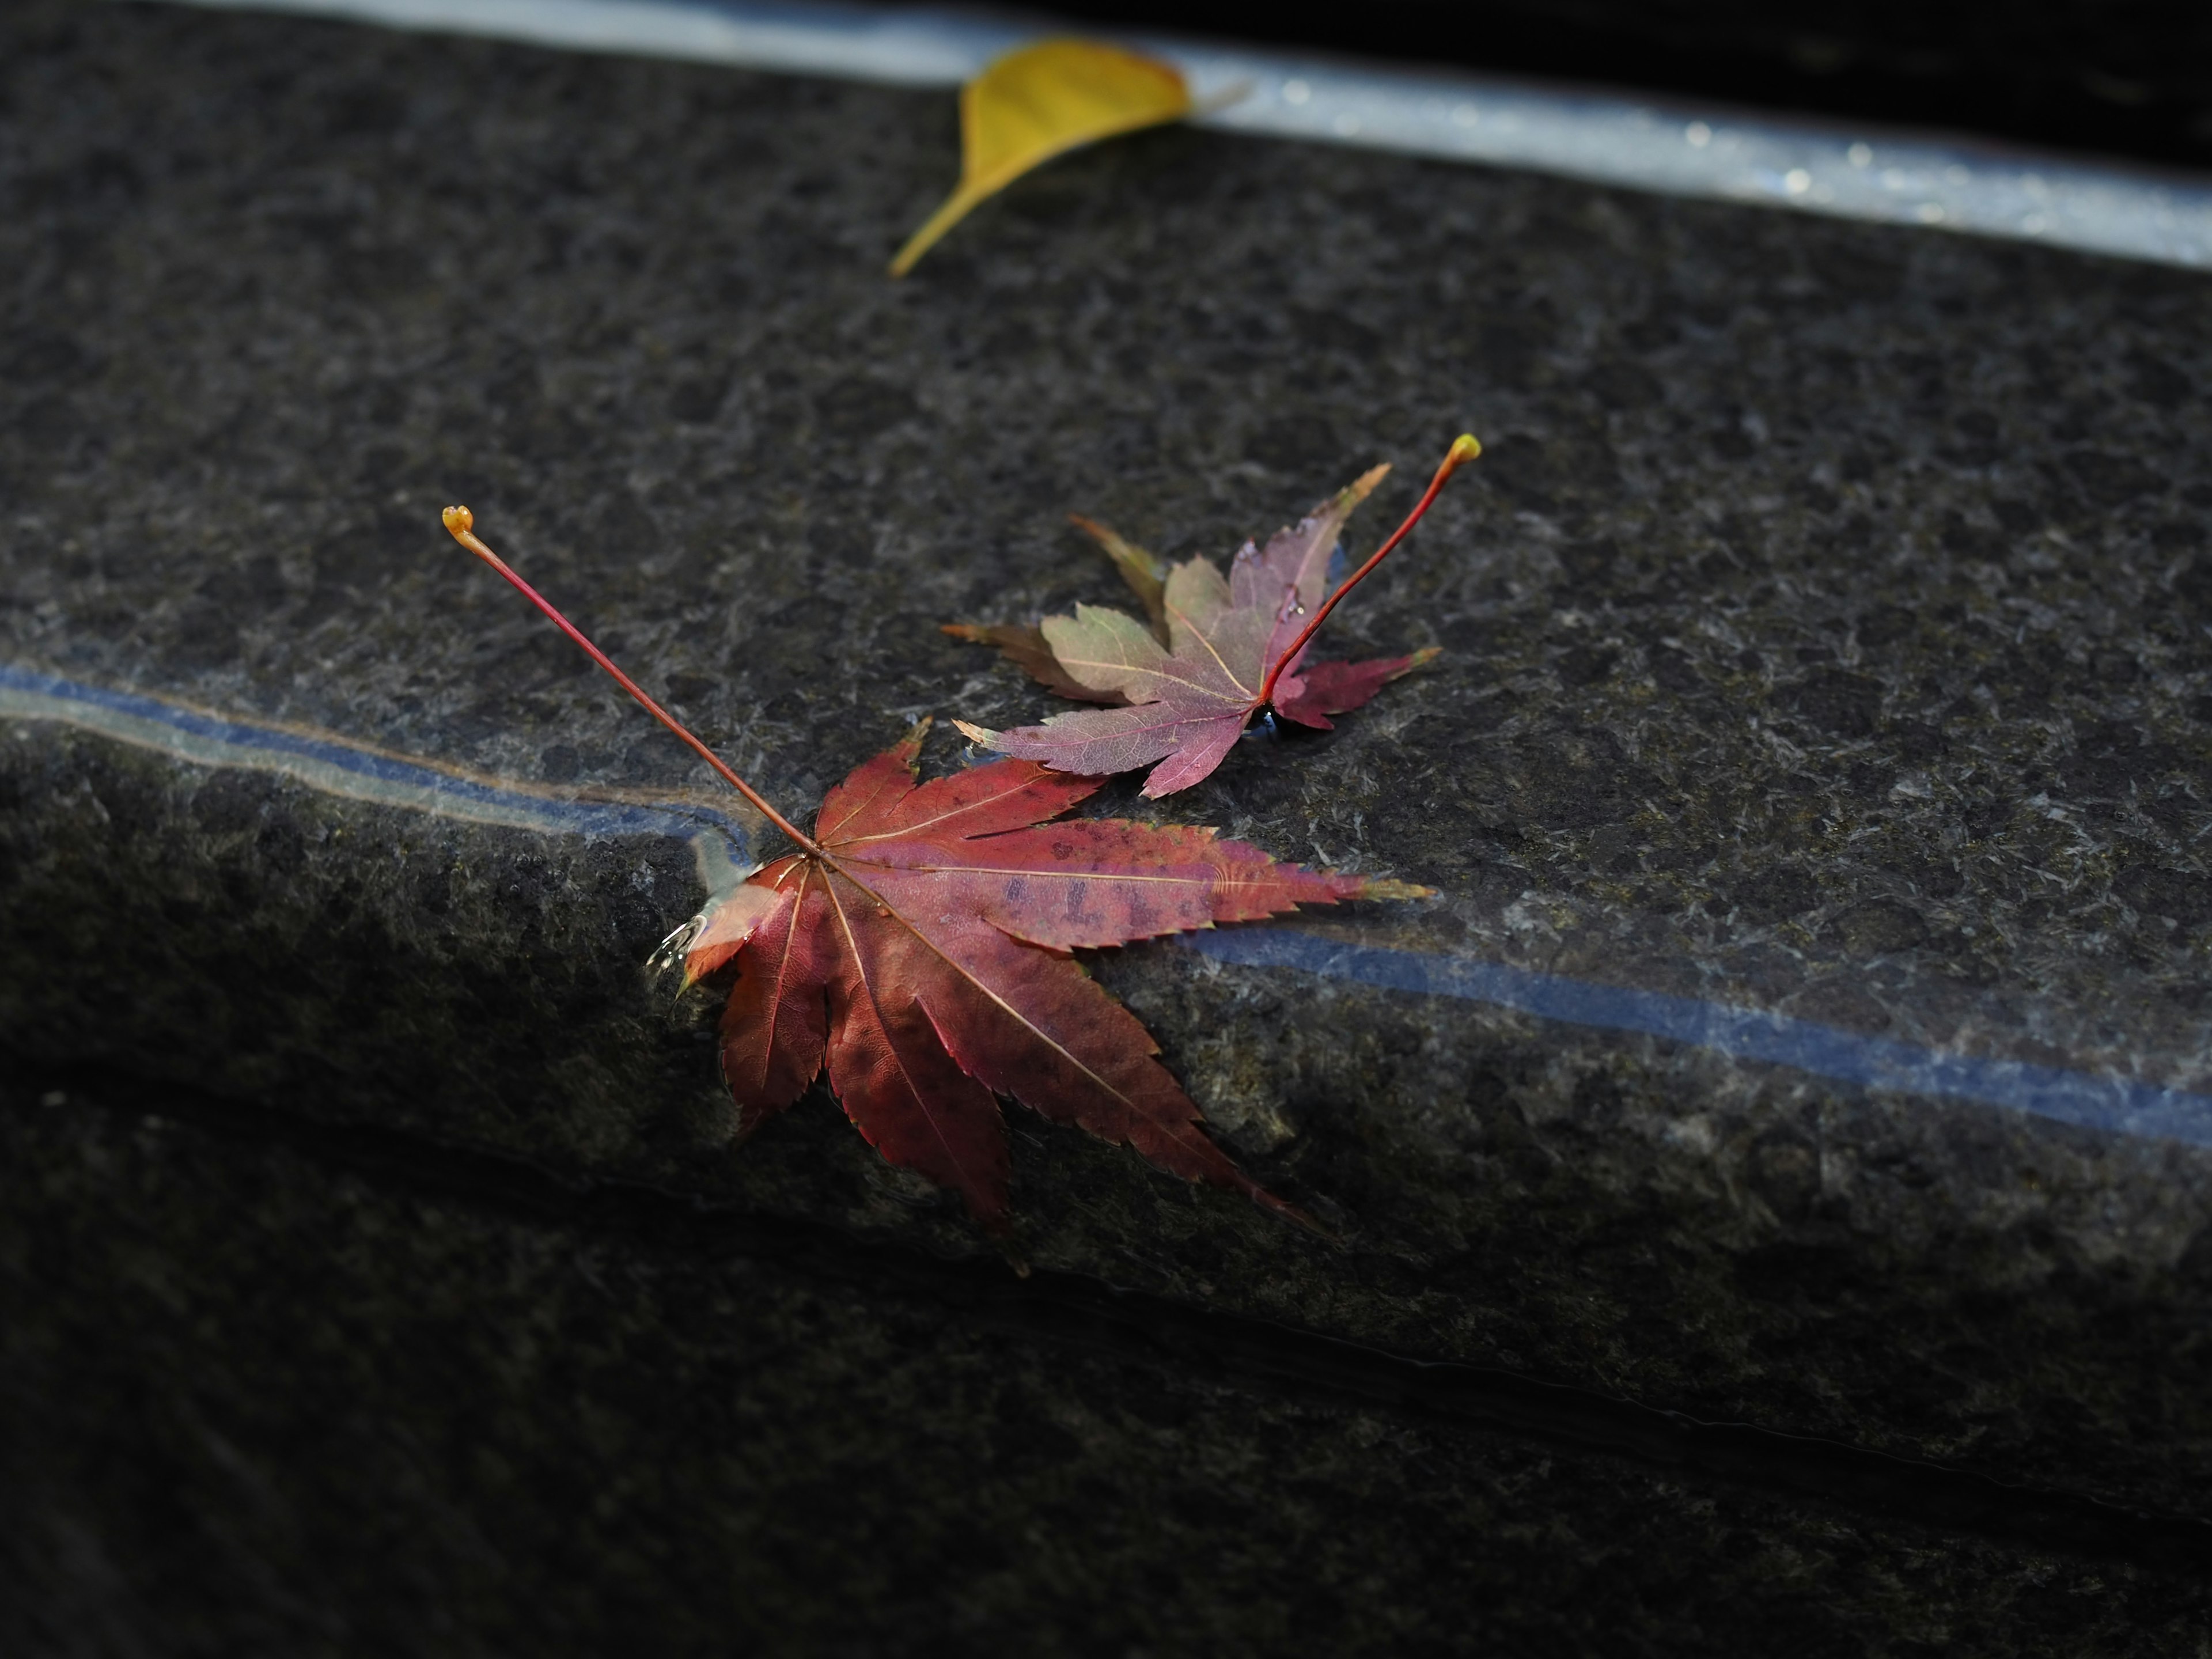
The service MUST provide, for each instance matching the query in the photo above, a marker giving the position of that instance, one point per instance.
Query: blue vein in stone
(2118, 1104)
(325, 762)
(336, 766)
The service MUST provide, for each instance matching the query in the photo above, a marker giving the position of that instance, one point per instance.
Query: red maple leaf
(918, 947)
(1218, 651)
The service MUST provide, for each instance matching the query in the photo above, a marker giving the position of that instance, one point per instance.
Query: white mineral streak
(1607, 137)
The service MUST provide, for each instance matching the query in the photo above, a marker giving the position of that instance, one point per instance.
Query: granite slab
(265, 1400)
(1812, 1032)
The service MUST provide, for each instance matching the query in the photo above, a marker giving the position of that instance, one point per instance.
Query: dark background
(2127, 79)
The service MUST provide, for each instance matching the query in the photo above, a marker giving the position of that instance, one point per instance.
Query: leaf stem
(462, 523)
(1464, 449)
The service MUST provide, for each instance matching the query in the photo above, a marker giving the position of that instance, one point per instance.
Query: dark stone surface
(1825, 629)
(260, 1404)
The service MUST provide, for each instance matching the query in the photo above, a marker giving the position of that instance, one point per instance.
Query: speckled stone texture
(1825, 630)
(258, 1406)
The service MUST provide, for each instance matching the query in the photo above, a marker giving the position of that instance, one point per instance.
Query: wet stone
(1824, 636)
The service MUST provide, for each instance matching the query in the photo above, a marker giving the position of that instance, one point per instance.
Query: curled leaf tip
(1362, 487)
(978, 734)
(1385, 888)
(460, 520)
(1145, 573)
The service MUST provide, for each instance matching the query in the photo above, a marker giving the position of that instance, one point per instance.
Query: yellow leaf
(1040, 101)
